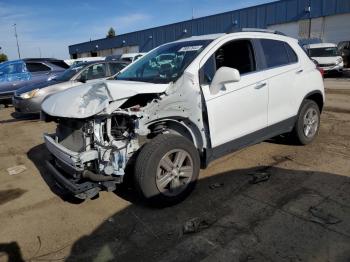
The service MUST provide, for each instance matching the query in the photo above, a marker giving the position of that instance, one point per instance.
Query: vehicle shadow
(20, 117)
(38, 155)
(334, 75)
(12, 251)
(295, 215)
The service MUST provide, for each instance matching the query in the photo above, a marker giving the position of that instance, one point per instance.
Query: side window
(115, 68)
(37, 67)
(14, 68)
(292, 56)
(94, 72)
(238, 54)
(60, 63)
(275, 53)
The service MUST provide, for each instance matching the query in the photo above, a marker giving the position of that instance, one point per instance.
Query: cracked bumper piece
(70, 184)
(70, 160)
(67, 168)
(66, 165)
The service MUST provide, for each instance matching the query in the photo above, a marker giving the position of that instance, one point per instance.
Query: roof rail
(260, 30)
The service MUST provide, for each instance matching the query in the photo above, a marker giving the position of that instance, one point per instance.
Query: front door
(240, 108)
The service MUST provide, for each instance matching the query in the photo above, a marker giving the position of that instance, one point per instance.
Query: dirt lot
(302, 213)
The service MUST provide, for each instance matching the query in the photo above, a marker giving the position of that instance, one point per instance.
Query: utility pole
(19, 54)
(308, 9)
(39, 52)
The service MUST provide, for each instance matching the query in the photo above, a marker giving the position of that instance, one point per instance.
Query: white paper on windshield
(190, 48)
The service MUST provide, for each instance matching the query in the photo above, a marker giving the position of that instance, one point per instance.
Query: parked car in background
(209, 96)
(344, 51)
(28, 99)
(113, 57)
(131, 57)
(327, 57)
(21, 73)
(72, 62)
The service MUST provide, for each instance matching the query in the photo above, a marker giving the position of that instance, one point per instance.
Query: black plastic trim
(67, 183)
(251, 139)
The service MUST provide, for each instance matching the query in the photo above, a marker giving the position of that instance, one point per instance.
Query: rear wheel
(166, 169)
(308, 123)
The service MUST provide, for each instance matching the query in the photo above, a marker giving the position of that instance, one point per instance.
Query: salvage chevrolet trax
(179, 107)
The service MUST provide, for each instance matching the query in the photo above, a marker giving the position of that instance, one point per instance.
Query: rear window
(37, 67)
(275, 53)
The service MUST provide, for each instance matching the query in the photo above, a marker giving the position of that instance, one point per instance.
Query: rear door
(283, 70)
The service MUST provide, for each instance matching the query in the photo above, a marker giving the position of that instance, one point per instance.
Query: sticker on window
(190, 48)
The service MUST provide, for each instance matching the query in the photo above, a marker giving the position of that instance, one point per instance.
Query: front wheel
(308, 123)
(166, 169)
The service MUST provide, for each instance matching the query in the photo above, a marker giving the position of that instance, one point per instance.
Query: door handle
(299, 71)
(260, 85)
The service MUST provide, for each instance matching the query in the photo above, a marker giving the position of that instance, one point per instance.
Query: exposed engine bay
(104, 146)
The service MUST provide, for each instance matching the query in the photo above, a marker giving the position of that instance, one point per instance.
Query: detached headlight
(29, 94)
(339, 60)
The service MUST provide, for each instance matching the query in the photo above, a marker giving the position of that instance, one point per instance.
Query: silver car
(28, 99)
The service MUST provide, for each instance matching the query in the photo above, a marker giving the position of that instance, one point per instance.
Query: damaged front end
(91, 149)
(92, 154)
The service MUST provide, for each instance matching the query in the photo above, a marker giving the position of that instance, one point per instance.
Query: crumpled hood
(92, 98)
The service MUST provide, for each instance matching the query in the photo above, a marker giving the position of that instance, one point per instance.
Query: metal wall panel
(262, 16)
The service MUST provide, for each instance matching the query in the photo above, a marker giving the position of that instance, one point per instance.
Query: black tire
(299, 133)
(149, 171)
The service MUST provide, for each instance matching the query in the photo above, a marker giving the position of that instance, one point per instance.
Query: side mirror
(223, 76)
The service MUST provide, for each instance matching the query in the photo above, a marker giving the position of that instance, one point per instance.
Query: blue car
(20, 73)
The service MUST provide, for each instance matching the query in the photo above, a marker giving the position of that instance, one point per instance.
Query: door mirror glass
(223, 75)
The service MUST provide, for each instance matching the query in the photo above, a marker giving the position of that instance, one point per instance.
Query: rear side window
(37, 67)
(275, 53)
(60, 64)
(293, 58)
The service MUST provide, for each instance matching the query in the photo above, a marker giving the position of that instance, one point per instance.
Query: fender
(181, 126)
(313, 96)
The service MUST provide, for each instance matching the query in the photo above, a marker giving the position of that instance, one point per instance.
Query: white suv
(327, 56)
(162, 122)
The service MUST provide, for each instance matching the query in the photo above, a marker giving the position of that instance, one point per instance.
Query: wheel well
(317, 98)
(179, 128)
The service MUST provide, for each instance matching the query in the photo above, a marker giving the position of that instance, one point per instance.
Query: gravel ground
(302, 213)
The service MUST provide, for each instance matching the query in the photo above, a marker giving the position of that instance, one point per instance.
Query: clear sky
(49, 26)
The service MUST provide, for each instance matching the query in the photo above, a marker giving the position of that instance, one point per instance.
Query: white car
(73, 62)
(131, 57)
(327, 56)
(214, 95)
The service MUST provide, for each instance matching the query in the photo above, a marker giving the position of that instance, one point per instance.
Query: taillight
(321, 71)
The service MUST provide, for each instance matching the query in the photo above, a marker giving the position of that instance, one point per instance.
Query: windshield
(323, 52)
(70, 72)
(164, 64)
